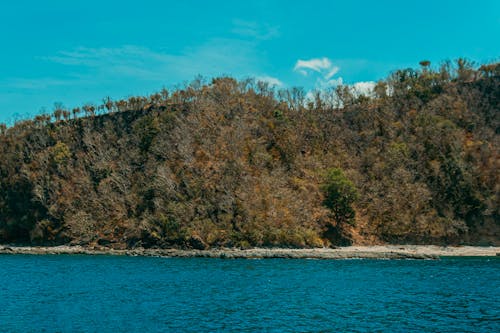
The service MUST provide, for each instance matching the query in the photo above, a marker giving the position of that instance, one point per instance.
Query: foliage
(340, 194)
(231, 163)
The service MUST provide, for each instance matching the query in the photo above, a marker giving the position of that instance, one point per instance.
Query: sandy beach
(351, 252)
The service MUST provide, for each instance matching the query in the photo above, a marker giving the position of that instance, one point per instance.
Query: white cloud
(364, 87)
(317, 64)
(326, 84)
(271, 80)
(332, 72)
(321, 69)
(303, 72)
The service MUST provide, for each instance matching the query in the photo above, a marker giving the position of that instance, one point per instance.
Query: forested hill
(230, 163)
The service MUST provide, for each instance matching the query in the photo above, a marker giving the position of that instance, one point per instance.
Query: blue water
(137, 294)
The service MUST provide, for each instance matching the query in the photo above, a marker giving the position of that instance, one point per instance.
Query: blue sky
(75, 52)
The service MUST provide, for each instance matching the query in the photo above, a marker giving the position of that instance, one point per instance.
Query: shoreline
(350, 252)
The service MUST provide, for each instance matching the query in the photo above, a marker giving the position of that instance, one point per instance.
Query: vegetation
(340, 193)
(230, 163)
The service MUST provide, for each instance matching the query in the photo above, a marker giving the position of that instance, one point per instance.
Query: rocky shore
(351, 252)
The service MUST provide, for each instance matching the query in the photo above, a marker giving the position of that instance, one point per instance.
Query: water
(135, 294)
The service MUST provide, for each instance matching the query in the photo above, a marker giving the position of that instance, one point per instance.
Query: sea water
(62, 293)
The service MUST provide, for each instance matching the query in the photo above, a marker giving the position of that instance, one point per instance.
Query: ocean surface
(139, 294)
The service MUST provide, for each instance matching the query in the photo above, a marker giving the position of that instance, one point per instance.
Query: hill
(239, 164)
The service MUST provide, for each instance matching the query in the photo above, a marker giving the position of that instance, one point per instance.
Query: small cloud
(322, 69)
(271, 80)
(332, 72)
(303, 72)
(364, 88)
(325, 84)
(317, 64)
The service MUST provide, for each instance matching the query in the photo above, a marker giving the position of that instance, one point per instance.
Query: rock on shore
(351, 252)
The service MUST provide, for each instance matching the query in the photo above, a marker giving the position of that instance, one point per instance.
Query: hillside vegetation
(229, 163)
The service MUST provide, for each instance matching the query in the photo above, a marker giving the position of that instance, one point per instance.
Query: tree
(340, 193)
(425, 64)
(108, 104)
(465, 69)
(76, 112)
(490, 70)
(233, 164)
(89, 110)
(66, 114)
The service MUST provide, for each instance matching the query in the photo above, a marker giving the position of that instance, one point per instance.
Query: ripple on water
(123, 294)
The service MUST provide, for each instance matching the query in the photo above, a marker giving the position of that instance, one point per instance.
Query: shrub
(340, 193)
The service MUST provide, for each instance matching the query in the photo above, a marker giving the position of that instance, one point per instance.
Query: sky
(77, 52)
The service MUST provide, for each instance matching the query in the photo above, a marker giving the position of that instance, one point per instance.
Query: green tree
(60, 154)
(340, 193)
